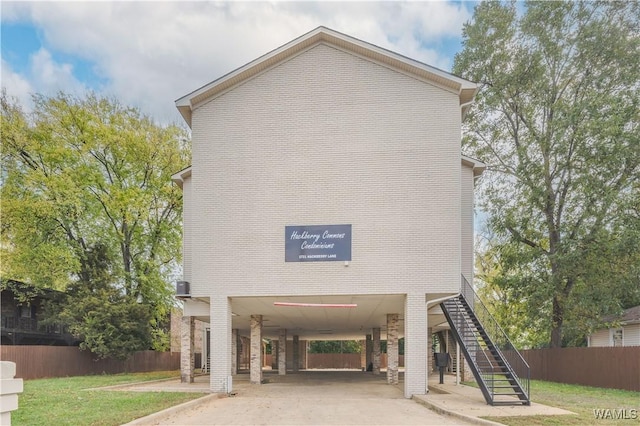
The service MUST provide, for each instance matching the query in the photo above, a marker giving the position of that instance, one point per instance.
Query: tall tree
(89, 175)
(557, 120)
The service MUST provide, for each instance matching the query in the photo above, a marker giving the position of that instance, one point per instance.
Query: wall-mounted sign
(317, 243)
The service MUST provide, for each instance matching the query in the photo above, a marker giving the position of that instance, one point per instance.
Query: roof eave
(181, 176)
(477, 166)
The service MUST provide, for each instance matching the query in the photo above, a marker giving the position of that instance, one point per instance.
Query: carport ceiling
(319, 323)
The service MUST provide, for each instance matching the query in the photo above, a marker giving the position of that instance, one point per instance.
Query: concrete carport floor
(305, 398)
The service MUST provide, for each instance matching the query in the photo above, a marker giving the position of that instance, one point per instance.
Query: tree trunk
(556, 324)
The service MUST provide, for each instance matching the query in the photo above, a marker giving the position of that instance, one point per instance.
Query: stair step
(469, 330)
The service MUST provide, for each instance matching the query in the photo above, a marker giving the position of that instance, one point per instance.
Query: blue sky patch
(20, 41)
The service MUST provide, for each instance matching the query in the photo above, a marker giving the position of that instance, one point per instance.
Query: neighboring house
(620, 330)
(21, 320)
(327, 199)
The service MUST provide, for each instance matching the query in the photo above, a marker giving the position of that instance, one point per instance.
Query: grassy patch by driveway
(582, 400)
(66, 401)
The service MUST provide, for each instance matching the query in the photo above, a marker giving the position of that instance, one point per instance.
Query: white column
(220, 340)
(416, 350)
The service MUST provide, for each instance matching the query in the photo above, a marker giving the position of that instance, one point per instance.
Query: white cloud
(49, 76)
(16, 85)
(44, 76)
(151, 53)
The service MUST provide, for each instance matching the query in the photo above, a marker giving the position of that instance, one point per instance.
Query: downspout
(430, 303)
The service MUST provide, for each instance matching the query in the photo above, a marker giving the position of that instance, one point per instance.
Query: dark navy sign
(317, 243)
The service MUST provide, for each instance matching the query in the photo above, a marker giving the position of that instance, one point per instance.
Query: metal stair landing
(502, 374)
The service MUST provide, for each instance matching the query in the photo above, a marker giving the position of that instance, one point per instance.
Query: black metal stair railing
(514, 360)
(498, 367)
(466, 333)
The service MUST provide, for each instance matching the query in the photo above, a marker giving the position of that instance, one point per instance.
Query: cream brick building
(325, 133)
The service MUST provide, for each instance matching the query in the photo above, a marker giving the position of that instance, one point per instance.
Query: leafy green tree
(83, 176)
(557, 121)
(334, 347)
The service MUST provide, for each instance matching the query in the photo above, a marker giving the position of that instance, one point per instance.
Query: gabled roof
(465, 89)
(629, 316)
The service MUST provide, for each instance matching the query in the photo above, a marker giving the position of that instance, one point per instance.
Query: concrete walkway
(328, 398)
(467, 403)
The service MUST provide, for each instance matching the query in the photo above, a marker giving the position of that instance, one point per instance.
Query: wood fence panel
(351, 361)
(617, 368)
(333, 361)
(34, 362)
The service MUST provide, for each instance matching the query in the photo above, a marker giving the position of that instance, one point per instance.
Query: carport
(290, 322)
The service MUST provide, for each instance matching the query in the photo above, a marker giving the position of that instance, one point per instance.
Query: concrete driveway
(305, 398)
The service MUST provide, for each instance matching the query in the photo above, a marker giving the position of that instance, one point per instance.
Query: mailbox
(442, 359)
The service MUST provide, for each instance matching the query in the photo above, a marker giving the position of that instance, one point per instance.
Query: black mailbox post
(442, 360)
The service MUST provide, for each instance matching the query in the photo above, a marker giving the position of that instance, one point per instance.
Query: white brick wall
(187, 221)
(466, 247)
(327, 138)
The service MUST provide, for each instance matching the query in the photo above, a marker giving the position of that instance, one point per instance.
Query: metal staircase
(501, 372)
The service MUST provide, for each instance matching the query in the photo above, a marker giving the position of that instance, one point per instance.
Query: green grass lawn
(582, 400)
(65, 401)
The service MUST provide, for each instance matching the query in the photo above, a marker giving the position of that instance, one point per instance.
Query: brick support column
(187, 349)
(234, 351)
(256, 350)
(363, 354)
(376, 351)
(392, 349)
(296, 354)
(282, 352)
(430, 364)
(369, 349)
(274, 354)
(305, 355)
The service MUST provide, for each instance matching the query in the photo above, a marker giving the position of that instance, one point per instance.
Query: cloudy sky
(148, 54)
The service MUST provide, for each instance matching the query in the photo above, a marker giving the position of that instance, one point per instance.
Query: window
(25, 311)
(617, 337)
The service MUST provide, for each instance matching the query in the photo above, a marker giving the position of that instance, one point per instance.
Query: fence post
(9, 390)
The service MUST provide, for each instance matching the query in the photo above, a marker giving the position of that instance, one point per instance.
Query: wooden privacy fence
(34, 362)
(333, 361)
(328, 361)
(617, 368)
